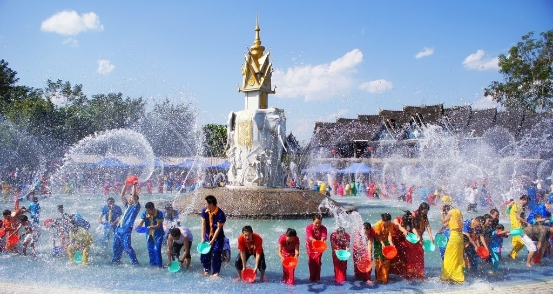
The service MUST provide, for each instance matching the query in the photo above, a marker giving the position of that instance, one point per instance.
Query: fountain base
(258, 203)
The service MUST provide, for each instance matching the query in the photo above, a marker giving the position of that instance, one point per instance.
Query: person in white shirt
(179, 237)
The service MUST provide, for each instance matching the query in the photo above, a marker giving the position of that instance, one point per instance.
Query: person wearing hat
(340, 240)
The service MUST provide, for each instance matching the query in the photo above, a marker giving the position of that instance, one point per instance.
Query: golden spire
(257, 49)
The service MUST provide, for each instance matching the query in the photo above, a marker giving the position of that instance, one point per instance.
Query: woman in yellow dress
(517, 221)
(452, 267)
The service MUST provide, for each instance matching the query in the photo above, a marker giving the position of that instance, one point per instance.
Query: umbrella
(358, 168)
(157, 163)
(224, 166)
(111, 162)
(190, 164)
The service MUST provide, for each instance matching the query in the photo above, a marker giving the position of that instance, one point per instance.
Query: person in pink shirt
(288, 246)
(340, 240)
(315, 231)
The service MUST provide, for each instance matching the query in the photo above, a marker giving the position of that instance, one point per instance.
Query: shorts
(176, 249)
(238, 261)
(529, 244)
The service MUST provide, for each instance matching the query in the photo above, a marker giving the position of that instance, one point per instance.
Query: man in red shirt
(250, 243)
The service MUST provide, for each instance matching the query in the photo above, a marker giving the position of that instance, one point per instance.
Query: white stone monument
(256, 135)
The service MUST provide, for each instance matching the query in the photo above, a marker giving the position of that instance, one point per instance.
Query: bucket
(13, 239)
(440, 240)
(203, 248)
(364, 265)
(249, 275)
(141, 229)
(516, 232)
(428, 246)
(48, 222)
(482, 252)
(290, 262)
(342, 254)
(78, 257)
(412, 238)
(174, 267)
(390, 252)
(57, 251)
(131, 179)
(319, 246)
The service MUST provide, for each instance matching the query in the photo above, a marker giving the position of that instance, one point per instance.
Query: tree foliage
(215, 139)
(527, 75)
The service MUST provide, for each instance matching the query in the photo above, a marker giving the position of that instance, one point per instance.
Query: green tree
(9, 91)
(215, 140)
(527, 75)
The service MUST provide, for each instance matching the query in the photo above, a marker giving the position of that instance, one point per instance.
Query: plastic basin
(319, 246)
(412, 238)
(516, 232)
(390, 252)
(131, 179)
(428, 246)
(440, 240)
(141, 229)
(364, 265)
(203, 248)
(174, 267)
(78, 257)
(342, 254)
(482, 252)
(13, 239)
(290, 262)
(249, 275)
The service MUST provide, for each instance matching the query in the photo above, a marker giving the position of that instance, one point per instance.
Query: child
(34, 208)
(495, 247)
(32, 233)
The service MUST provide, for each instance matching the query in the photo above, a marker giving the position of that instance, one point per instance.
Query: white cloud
(104, 66)
(486, 102)
(426, 52)
(374, 86)
(318, 82)
(72, 42)
(69, 23)
(478, 61)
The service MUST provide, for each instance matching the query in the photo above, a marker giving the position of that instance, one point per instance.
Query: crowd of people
(409, 235)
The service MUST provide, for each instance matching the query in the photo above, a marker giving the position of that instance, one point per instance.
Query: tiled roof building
(398, 132)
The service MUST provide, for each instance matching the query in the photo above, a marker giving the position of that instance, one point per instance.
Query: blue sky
(331, 59)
